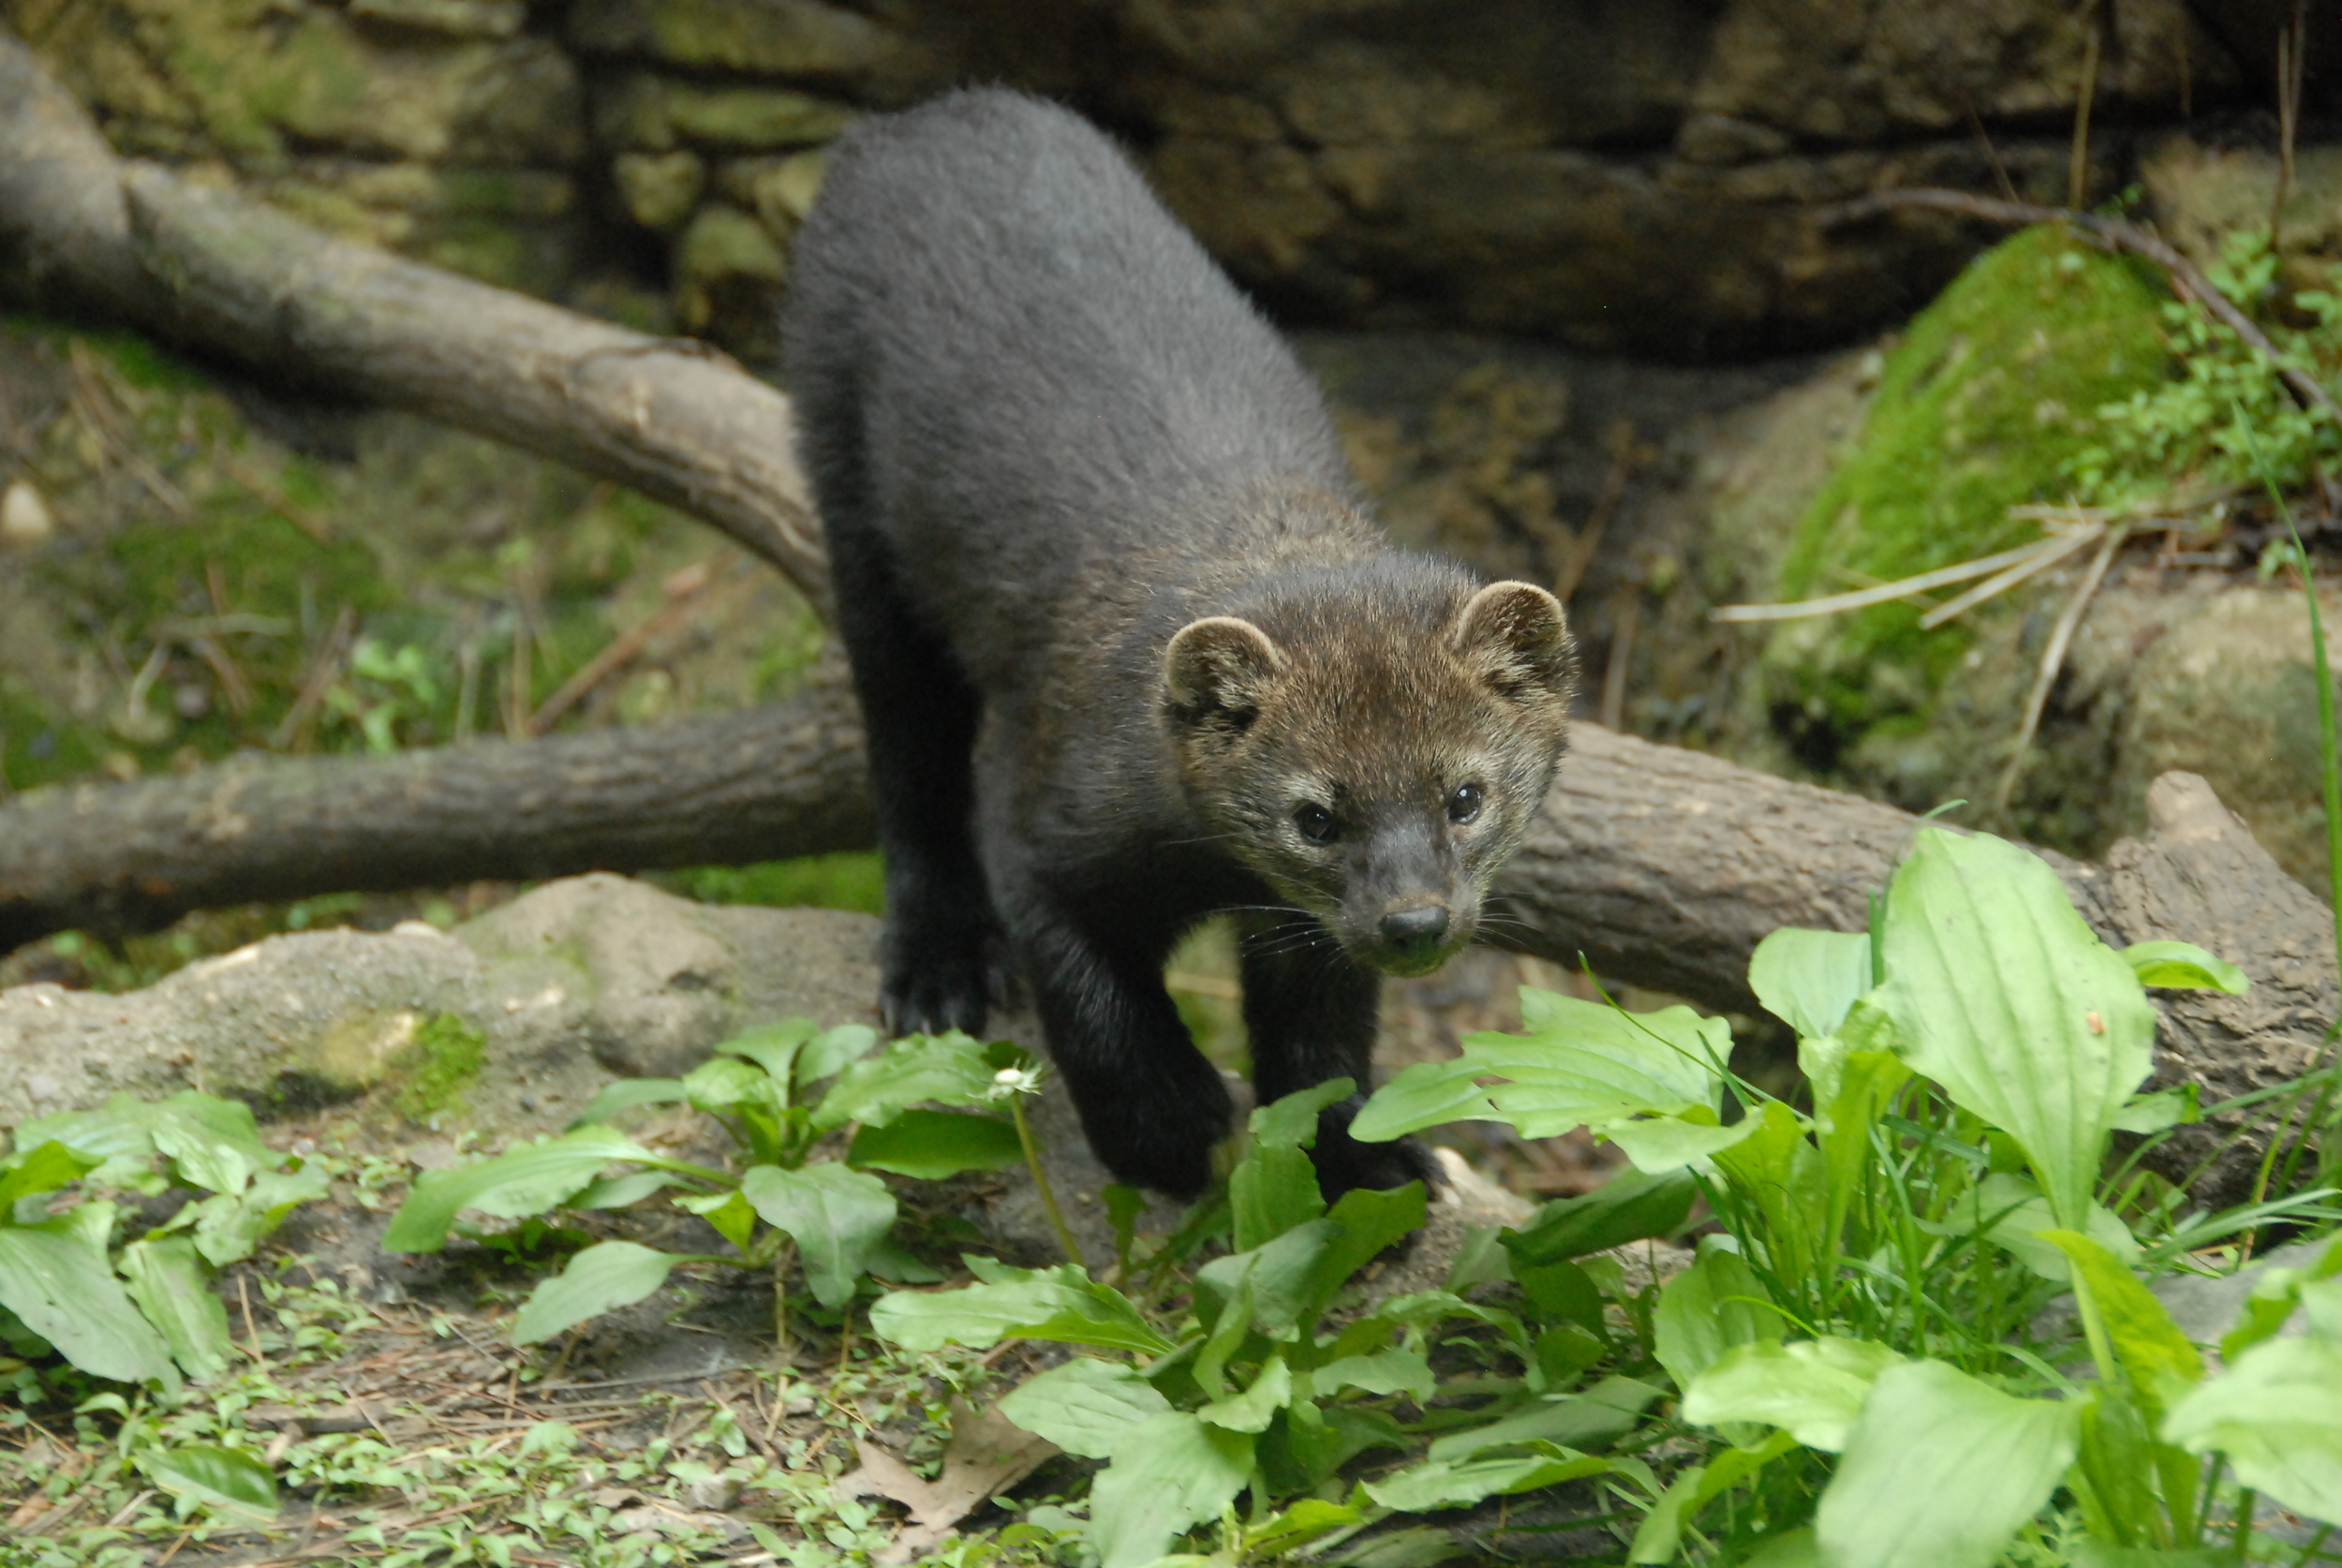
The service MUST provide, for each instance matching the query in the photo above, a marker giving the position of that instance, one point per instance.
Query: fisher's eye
(1464, 804)
(1316, 823)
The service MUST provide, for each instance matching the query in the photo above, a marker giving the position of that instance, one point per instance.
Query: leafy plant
(767, 1089)
(1970, 1060)
(2179, 438)
(1268, 1380)
(142, 1311)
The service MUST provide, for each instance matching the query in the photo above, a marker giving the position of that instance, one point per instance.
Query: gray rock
(2225, 689)
(796, 39)
(2205, 1309)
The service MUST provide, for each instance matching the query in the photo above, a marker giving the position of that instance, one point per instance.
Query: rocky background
(1580, 279)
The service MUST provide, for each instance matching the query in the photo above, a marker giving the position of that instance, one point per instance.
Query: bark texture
(762, 784)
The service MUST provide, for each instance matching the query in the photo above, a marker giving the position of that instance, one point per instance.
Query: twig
(275, 499)
(684, 591)
(2112, 234)
(2053, 660)
(1884, 593)
(2045, 555)
(323, 670)
(2290, 50)
(95, 404)
(1622, 655)
(2078, 161)
(1589, 536)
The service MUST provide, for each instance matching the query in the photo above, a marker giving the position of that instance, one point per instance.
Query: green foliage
(1970, 1060)
(853, 879)
(2225, 421)
(775, 1091)
(448, 1055)
(142, 1311)
(1994, 389)
(1272, 1375)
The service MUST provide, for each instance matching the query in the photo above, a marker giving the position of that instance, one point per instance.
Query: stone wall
(1639, 176)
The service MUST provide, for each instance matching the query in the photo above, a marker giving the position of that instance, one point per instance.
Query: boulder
(2225, 686)
(506, 1027)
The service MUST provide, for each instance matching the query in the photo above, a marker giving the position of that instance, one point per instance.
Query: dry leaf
(987, 1454)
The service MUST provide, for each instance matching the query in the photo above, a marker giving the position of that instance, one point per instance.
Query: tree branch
(226, 276)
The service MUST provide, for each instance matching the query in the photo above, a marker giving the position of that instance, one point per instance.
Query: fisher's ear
(1518, 635)
(1217, 670)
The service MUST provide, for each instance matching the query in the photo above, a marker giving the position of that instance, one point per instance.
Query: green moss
(1993, 388)
(841, 881)
(448, 1055)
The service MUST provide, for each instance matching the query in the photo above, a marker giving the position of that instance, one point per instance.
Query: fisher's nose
(1417, 932)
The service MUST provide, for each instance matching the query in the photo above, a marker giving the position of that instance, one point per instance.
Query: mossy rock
(1989, 393)
(779, 38)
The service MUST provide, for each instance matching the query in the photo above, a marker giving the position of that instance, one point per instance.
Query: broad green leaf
(1460, 1482)
(2115, 1468)
(1588, 1420)
(1171, 1474)
(609, 1274)
(528, 1179)
(43, 1168)
(932, 1145)
(1058, 1304)
(734, 1215)
(1307, 1519)
(720, 1082)
(2014, 1215)
(1813, 1388)
(226, 1479)
(1628, 1207)
(1365, 1220)
(1291, 1121)
(1809, 979)
(1711, 1307)
(1275, 1188)
(774, 1047)
(1085, 1407)
(626, 1094)
(1941, 1470)
(2004, 995)
(214, 1142)
(1779, 1172)
(1272, 1191)
(2153, 1113)
(1309, 1445)
(619, 1191)
(228, 1229)
(65, 1291)
(2153, 1353)
(827, 1054)
(1252, 1410)
(1279, 1275)
(947, 1068)
(173, 1289)
(1576, 1064)
(1389, 1372)
(836, 1216)
(1661, 1533)
(2278, 1415)
(1658, 1144)
(2184, 967)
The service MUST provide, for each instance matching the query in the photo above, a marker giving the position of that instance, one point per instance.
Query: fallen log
(1662, 867)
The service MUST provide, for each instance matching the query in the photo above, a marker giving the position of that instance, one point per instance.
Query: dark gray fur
(1046, 435)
